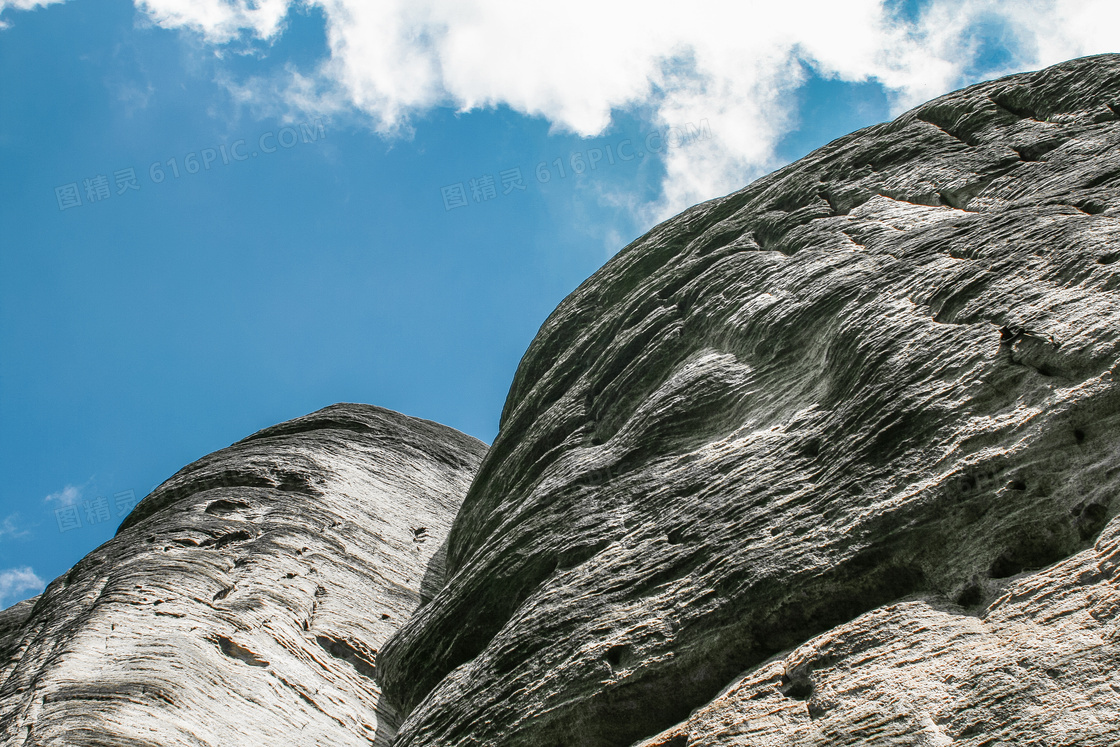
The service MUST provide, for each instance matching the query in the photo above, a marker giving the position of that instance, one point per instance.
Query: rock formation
(243, 602)
(883, 375)
(1038, 666)
(830, 460)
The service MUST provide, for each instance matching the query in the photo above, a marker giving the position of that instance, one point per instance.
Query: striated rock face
(1040, 666)
(11, 622)
(884, 375)
(244, 601)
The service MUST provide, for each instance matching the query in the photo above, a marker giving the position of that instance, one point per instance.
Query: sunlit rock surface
(831, 460)
(874, 385)
(244, 601)
(1040, 666)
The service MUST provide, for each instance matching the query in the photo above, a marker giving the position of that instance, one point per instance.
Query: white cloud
(219, 21)
(25, 4)
(734, 64)
(8, 527)
(22, 5)
(68, 496)
(15, 582)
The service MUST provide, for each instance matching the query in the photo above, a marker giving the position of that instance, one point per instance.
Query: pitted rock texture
(244, 601)
(1039, 666)
(885, 372)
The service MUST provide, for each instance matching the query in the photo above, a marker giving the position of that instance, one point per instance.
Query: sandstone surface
(875, 385)
(1040, 666)
(244, 601)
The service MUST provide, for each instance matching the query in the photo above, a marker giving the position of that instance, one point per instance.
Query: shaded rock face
(11, 622)
(884, 373)
(244, 601)
(1040, 666)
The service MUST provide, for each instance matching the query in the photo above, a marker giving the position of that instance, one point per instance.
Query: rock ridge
(244, 600)
(884, 372)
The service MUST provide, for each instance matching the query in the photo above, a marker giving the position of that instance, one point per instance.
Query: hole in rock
(236, 651)
(1091, 519)
(1030, 553)
(1004, 566)
(223, 507)
(614, 655)
(980, 727)
(1090, 207)
(1017, 485)
(346, 651)
(1107, 259)
(971, 596)
(799, 688)
(1079, 435)
(296, 482)
(227, 539)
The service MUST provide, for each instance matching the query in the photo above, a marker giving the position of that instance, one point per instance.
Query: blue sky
(309, 250)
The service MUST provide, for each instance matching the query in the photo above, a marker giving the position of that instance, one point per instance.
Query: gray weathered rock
(11, 621)
(886, 372)
(1040, 666)
(243, 602)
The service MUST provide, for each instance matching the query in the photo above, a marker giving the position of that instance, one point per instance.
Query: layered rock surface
(883, 375)
(831, 460)
(1040, 666)
(244, 601)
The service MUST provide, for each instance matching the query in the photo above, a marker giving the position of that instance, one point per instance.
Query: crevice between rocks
(927, 118)
(1006, 105)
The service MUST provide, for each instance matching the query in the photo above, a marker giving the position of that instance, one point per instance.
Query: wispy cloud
(22, 5)
(16, 582)
(735, 64)
(9, 528)
(68, 496)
